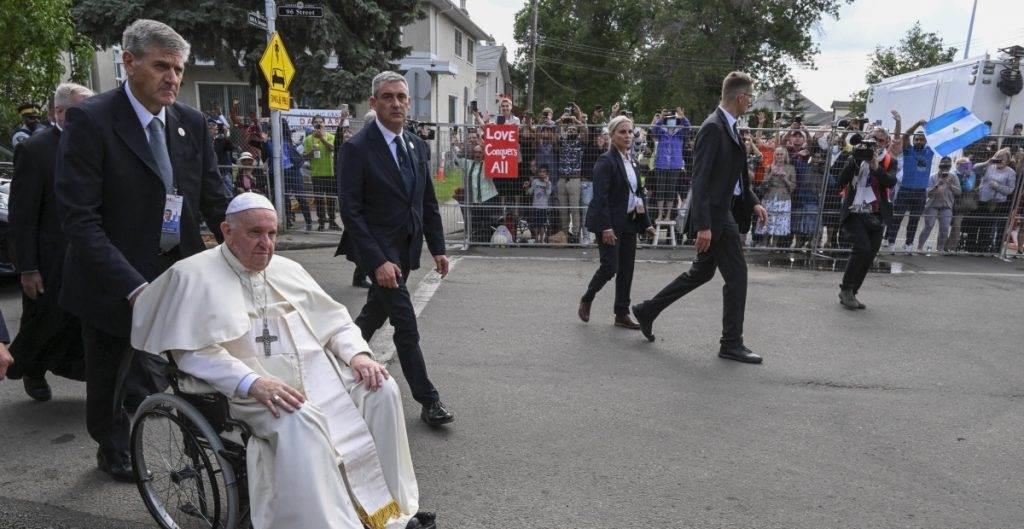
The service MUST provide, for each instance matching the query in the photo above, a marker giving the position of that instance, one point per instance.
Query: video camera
(863, 147)
(421, 129)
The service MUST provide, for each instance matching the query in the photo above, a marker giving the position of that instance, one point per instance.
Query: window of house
(469, 50)
(453, 105)
(458, 44)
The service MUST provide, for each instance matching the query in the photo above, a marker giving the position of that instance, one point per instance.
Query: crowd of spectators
(794, 170)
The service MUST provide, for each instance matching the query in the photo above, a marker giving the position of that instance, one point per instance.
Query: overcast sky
(846, 43)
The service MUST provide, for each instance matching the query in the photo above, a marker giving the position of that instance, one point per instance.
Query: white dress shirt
(633, 201)
(389, 138)
(145, 116)
(732, 133)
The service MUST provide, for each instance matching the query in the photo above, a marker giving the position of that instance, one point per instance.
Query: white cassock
(339, 461)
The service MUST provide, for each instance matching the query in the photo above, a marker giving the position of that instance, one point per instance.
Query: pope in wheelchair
(323, 441)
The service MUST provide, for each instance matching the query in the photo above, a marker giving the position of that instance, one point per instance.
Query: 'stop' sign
(300, 10)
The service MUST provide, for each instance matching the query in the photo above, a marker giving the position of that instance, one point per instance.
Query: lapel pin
(411, 146)
(181, 132)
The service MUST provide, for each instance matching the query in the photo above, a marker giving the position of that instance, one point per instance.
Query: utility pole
(533, 56)
(270, 9)
(970, 29)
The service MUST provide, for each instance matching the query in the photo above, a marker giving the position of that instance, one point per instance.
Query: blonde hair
(614, 125)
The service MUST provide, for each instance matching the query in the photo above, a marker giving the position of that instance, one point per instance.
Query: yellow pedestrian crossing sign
(277, 68)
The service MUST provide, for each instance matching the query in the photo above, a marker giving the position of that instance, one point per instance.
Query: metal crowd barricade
(801, 193)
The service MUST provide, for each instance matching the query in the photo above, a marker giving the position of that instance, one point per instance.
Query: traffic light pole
(275, 131)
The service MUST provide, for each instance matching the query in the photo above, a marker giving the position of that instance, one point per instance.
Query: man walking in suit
(388, 207)
(127, 156)
(720, 179)
(49, 339)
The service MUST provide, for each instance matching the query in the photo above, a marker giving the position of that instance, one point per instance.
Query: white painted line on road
(382, 344)
(966, 274)
(564, 259)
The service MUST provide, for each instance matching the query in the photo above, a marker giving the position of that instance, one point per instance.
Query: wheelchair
(188, 457)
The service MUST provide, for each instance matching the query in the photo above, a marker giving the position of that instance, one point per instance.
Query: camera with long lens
(863, 147)
(421, 129)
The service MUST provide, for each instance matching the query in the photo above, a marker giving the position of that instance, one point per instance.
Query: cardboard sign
(501, 151)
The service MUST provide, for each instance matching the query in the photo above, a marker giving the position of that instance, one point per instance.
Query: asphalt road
(907, 414)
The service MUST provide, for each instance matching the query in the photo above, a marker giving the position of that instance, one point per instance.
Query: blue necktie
(405, 165)
(158, 146)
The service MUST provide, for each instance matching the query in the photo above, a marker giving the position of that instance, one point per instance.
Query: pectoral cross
(266, 339)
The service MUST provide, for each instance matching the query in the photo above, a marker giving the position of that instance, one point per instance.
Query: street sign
(257, 19)
(300, 10)
(278, 70)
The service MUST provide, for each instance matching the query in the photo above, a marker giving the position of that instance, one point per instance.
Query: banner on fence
(501, 151)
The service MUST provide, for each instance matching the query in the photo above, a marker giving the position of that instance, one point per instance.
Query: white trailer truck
(977, 83)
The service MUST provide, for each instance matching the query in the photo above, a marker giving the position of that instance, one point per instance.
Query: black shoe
(739, 354)
(646, 324)
(37, 388)
(583, 311)
(115, 463)
(436, 414)
(623, 320)
(334, 226)
(361, 282)
(320, 228)
(422, 520)
(847, 300)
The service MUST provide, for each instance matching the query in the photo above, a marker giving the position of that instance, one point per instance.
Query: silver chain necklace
(265, 338)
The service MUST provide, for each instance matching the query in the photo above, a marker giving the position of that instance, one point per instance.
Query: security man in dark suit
(126, 156)
(720, 178)
(388, 207)
(49, 338)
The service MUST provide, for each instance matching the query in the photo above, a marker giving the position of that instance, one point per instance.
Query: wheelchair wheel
(180, 468)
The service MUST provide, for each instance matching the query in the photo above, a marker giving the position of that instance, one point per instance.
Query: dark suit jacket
(111, 200)
(380, 217)
(885, 178)
(718, 161)
(38, 240)
(607, 209)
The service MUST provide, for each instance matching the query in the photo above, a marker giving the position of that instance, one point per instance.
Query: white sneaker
(908, 249)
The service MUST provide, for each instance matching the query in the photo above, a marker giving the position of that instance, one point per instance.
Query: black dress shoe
(739, 354)
(115, 463)
(436, 414)
(584, 311)
(37, 388)
(361, 283)
(422, 520)
(646, 324)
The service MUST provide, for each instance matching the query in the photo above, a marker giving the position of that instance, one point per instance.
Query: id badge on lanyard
(172, 213)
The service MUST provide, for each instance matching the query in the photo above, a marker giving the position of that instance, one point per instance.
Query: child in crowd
(540, 188)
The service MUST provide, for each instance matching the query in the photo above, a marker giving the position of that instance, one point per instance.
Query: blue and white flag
(954, 130)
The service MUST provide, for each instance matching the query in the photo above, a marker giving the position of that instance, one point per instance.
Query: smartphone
(501, 120)
(472, 106)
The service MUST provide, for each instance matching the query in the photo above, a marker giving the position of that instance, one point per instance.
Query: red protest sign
(501, 151)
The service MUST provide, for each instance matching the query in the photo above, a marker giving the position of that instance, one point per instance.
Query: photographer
(318, 149)
(943, 188)
(669, 129)
(866, 180)
(570, 168)
(224, 149)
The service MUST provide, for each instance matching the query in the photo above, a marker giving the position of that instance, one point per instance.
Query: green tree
(657, 53)
(364, 36)
(916, 50)
(37, 33)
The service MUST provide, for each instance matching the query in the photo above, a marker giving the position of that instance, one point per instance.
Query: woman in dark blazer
(616, 214)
